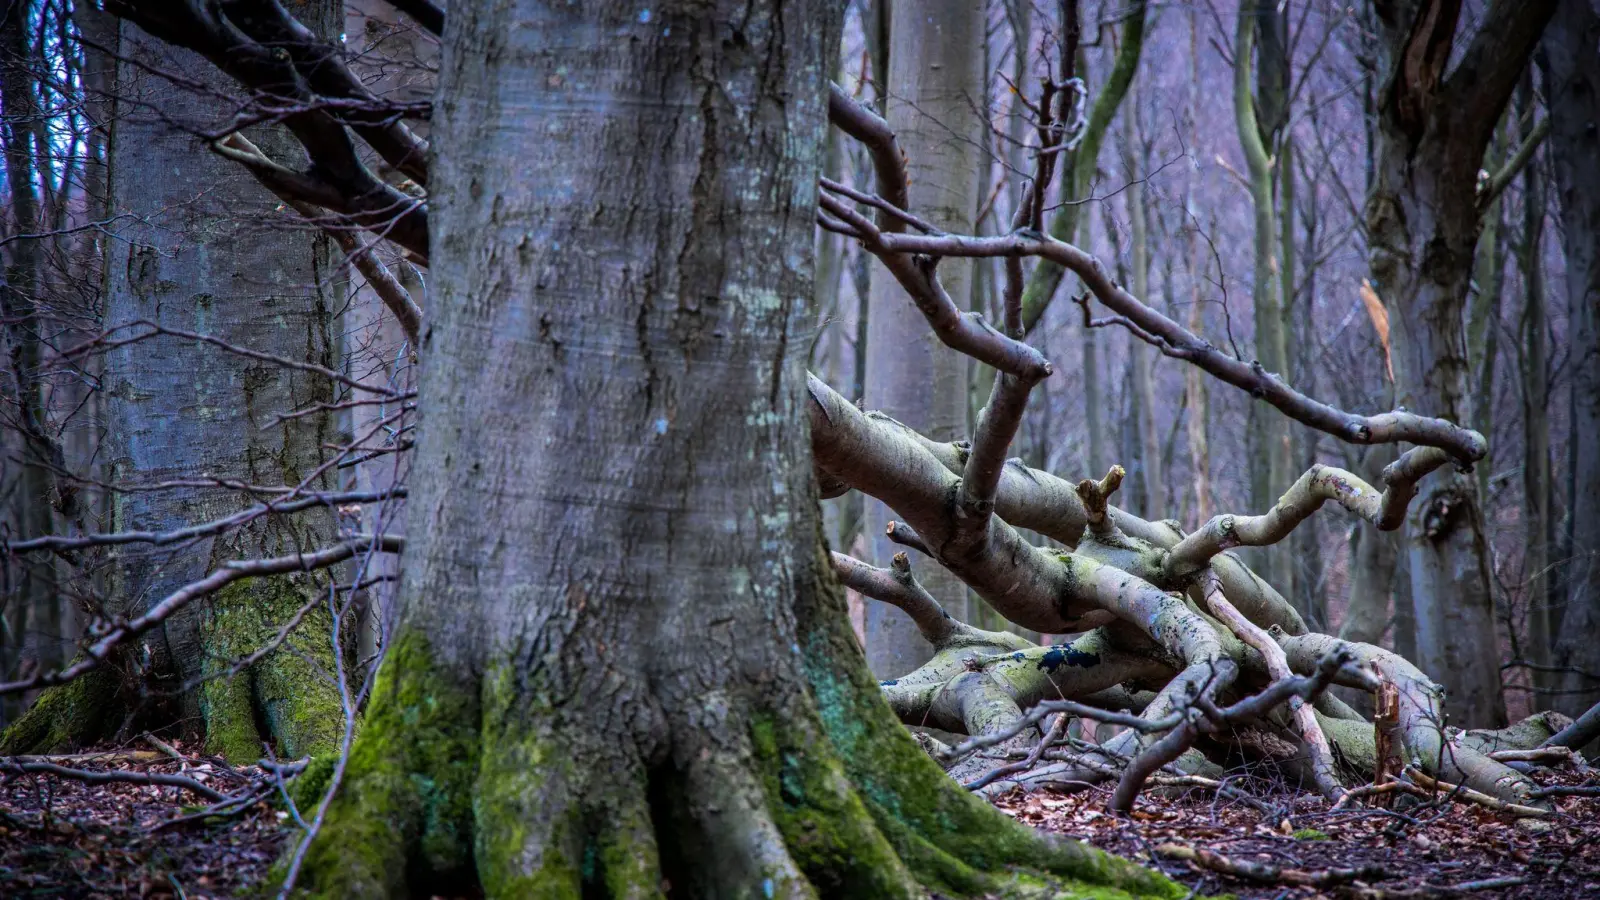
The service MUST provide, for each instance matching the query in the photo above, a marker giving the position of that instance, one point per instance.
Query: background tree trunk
(1535, 393)
(935, 90)
(1423, 223)
(1258, 122)
(205, 252)
(1572, 79)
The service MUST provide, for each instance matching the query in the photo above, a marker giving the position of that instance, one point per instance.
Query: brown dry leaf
(1380, 321)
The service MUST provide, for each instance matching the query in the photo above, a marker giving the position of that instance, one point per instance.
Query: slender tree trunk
(1483, 311)
(935, 84)
(599, 682)
(1141, 356)
(1194, 381)
(1535, 393)
(1572, 89)
(1269, 430)
(206, 254)
(31, 610)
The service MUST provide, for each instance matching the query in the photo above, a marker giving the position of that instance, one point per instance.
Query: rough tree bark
(621, 656)
(205, 255)
(934, 103)
(1423, 219)
(1572, 71)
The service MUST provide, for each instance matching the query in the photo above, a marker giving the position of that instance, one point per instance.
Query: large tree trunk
(204, 254)
(935, 86)
(1422, 226)
(1573, 92)
(621, 660)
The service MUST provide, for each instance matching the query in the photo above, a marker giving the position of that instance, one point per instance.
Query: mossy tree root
(457, 784)
(67, 717)
(288, 697)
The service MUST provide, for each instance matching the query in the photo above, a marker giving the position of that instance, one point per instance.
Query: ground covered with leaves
(63, 838)
(1297, 846)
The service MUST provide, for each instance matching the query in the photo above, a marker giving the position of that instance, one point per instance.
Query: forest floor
(1419, 849)
(61, 838)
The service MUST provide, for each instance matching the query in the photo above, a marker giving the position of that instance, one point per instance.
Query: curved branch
(1318, 485)
(896, 587)
(1321, 753)
(1465, 445)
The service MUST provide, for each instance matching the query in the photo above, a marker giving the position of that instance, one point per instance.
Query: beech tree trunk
(1423, 221)
(204, 252)
(1572, 85)
(1535, 393)
(935, 90)
(621, 660)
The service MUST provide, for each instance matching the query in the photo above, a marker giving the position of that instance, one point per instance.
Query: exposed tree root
(816, 794)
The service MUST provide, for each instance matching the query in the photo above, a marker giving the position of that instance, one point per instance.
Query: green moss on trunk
(288, 694)
(404, 817)
(946, 834)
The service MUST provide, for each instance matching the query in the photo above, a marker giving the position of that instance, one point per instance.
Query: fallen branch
(1270, 874)
(1540, 755)
(1461, 792)
(16, 766)
(1305, 718)
(1429, 891)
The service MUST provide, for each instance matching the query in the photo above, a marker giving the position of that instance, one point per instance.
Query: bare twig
(98, 652)
(15, 766)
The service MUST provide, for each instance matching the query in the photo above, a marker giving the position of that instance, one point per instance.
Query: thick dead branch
(888, 160)
(1465, 445)
(1582, 731)
(898, 588)
(1418, 732)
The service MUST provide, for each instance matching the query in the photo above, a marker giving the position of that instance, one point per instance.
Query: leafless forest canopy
(727, 449)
